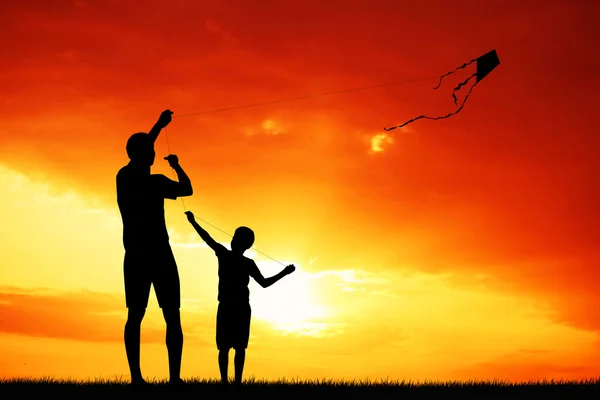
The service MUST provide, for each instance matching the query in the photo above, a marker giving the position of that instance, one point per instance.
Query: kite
(485, 64)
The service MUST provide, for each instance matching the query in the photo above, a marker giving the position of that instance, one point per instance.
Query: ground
(207, 389)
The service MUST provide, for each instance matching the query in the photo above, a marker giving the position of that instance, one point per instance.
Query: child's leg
(240, 358)
(223, 341)
(224, 364)
(243, 336)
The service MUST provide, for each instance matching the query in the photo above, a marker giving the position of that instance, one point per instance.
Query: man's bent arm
(184, 181)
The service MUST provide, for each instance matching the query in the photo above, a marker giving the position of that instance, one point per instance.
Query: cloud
(272, 127)
(380, 141)
(318, 330)
(189, 245)
(84, 316)
(429, 303)
(351, 280)
(192, 241)
(535, 365)
(269, 126)
(88, 316)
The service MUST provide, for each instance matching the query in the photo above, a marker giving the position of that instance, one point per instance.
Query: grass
(297, 389)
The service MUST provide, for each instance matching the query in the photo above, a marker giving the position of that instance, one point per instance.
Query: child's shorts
(233, 325)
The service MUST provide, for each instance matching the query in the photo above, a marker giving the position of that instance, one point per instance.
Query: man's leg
(137, 291)
(174, 341)
(168, 294)
(240, 358)
(132, 342)
(224, 365)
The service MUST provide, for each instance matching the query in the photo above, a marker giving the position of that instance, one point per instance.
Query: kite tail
(463, 83)
(454, 70)
(404, 124)
(435, 118)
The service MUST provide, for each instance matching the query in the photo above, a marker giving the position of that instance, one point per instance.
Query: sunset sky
(466, 248)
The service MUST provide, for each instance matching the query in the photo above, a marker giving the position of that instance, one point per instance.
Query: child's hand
(289, 269)
(190, 216)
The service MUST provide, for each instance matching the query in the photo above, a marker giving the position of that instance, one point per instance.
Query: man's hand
(190, 216)
(163, 121)
(165, 118)
(173, 160)
(289, 269)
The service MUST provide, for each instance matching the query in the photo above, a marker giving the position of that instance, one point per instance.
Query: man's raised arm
(163, 121)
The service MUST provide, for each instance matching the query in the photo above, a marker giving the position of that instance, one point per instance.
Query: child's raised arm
(266, 282)
(203, 234)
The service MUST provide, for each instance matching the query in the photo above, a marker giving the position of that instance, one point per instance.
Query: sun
(289, 304)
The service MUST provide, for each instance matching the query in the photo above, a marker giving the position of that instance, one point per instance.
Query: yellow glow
(271, 127)
(356, 321)
(290, 304)
(379, 141)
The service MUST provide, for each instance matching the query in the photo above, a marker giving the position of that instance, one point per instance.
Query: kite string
(281, 101)
(174, 175)
(206, 222)
(307, 96)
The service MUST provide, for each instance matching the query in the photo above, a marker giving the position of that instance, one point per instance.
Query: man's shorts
(233, 325)
(154, 265)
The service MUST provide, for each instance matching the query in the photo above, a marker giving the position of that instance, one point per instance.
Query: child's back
(235, 271)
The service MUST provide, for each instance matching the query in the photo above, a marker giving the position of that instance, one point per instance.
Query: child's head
(242, 240)
(140, 149)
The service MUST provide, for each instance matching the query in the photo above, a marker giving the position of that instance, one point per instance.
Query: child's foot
(178, 384)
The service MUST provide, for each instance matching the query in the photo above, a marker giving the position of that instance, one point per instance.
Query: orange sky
(464, 248)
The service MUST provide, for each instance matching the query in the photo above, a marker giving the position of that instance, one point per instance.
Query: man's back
(140, 197)
(234, 276)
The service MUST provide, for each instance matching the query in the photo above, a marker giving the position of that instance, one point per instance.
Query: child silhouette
(233, 313)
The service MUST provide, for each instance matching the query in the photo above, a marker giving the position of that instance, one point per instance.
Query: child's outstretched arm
(266, 282)
(203, 234)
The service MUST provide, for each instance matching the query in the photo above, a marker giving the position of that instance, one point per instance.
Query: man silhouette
(148, 256)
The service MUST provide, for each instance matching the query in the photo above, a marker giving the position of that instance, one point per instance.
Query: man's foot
(139, 383)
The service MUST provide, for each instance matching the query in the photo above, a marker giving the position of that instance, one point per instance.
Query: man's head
(242, 240)
(140, 149)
